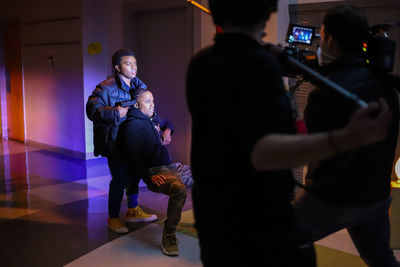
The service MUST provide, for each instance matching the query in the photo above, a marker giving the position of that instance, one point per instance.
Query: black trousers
(121, 175)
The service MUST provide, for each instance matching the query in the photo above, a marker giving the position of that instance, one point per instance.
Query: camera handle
(311, 74)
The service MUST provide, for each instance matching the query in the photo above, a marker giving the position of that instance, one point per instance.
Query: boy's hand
(122, 111)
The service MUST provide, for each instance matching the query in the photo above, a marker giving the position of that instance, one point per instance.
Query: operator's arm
(278, 151)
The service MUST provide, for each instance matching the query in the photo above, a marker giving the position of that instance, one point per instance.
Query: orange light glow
(199, 6)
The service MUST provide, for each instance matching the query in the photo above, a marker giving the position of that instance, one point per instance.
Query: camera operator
(244, 143)
(352, 189)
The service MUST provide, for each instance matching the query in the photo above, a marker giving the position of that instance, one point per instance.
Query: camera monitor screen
(300, 34)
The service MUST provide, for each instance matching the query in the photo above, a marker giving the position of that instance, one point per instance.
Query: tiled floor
(53, 212)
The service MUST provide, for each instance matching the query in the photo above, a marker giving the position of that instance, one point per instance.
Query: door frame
(192, 18)
(3, 85)
(3, 82)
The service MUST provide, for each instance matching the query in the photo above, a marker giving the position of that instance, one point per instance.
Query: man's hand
(158, 179)
(122, 111)
(370, 124)
(166, 137)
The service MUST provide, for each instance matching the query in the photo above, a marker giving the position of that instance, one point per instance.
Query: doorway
(163, 46)
(11, 83)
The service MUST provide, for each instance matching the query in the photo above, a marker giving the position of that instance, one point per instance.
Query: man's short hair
(140, 92)
(117, 56)
(241, 12)
(348, 26)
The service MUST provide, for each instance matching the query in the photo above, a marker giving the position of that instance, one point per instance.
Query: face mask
(323, 57)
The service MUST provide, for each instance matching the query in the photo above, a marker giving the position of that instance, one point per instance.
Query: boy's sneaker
(138, 215)
(169, 244)
(117, 226)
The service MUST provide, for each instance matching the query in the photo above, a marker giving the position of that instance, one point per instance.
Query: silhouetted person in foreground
(244, 143)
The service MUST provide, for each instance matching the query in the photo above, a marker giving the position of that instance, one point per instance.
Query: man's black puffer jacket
(101, 109)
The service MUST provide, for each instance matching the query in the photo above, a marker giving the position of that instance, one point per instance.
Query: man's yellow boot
(116, 226)
(138, 215)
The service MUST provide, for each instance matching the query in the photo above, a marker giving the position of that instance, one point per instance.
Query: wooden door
(14, 83)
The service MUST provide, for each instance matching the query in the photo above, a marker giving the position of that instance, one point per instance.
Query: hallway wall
(161, 65)
(52, 68)
(96, 30)
(60, 73)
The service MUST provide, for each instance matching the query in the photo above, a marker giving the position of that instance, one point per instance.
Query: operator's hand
(122, 111)
(166, 137)
(371, 124)
(158, 179)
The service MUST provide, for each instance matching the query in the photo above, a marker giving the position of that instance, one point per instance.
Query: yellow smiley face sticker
(95, 48)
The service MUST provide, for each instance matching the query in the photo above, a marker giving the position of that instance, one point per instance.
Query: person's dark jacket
(101, 109)
(141, 143)
(235, 96)
(361, 176)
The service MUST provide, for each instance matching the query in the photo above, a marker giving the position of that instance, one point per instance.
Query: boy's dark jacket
(101, 109)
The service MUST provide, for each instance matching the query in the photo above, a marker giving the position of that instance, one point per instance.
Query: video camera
(378, 51)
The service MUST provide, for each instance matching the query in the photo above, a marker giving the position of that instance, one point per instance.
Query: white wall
(53, 95)
(277, 24)
(206, 26)
(55, 98)
(96, 18)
